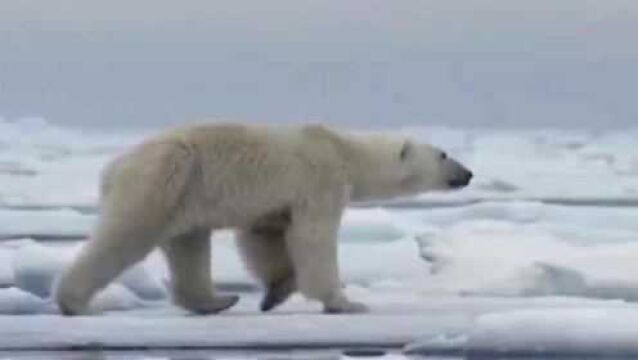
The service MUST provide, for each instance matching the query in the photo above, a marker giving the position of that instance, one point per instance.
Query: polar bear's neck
(364, 160)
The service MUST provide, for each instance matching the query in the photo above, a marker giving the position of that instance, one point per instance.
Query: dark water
(329, 354)
(254, 355)
(211, 355)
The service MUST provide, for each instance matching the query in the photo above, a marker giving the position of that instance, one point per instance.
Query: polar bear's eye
(443, 155)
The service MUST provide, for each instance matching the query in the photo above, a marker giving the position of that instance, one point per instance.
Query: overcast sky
(561, 63)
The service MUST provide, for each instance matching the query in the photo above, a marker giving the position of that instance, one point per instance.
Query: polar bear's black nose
(462, 180)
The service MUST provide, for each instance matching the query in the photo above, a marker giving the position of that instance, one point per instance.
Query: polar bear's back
(241, 171)
(267, 149)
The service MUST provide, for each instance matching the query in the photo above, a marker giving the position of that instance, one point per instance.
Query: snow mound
(377, 264)
(6, 268)
(370, 225)
(36, 268)
(14, 301)
(497, 258)
(116, 298)
(139, 281)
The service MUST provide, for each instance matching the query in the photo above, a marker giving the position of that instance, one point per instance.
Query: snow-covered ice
(59, 223)
(583, 331)
(42, 164)
(17, 302)
(489, 257)
(537, 256)
(574, 332)
(36, 267)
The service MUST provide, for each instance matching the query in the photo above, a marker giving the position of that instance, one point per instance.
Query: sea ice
(6, 268)
(14, 301)
(57, 222)
(491, 269)
(521, 255)
(571, 332)
(36, 268)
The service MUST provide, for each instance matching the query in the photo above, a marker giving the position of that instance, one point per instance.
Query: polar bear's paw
(212, 305)
(72, 307)
(70, 300)
(277, 293)
(344, 306)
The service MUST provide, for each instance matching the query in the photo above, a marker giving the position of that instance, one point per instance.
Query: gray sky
(565, 63)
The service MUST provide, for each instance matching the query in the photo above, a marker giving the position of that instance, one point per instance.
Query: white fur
(284, 189)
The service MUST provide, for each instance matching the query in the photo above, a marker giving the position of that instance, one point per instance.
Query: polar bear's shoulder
(306, 135)
(318, 130)
(324, 136)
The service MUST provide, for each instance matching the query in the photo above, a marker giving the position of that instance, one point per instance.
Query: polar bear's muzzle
(459, 176)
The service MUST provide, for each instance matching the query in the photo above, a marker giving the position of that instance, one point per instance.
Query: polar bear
(283, 189)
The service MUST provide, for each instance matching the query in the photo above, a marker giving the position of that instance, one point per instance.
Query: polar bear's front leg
(312, 242)
(192, 285)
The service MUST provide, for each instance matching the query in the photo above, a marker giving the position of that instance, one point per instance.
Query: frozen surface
(544, 163)
(397, 318)
(447, 251)
(371, 225)
(59, 223)
(581, 331)
(564, 332)
(450, 270)
(41, 164)
(489, 257)
(6, 268)
(207, 354)
(18, 302)
(508, 266)
(35, 269)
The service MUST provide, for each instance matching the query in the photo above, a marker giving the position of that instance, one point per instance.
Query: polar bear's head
(394, 167)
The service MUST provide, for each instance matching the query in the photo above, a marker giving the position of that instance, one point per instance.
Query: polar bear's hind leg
(110, 251)
(264, 251)
(136, 214)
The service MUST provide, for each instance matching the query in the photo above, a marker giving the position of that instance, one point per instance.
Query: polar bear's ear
(406, 150)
